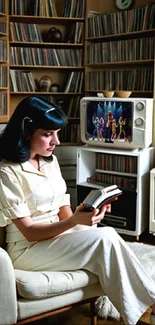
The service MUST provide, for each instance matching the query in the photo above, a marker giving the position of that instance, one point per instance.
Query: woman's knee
(107, 233)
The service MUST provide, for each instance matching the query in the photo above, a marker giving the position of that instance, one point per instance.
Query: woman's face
(42, 142)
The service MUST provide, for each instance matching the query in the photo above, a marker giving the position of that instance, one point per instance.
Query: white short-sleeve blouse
(26, 191)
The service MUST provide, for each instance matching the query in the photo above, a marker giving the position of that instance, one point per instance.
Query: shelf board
(122, 35)
(45, 67)
(4, 119)
(2, 15)
(116, 63)
(88, 184)
(3, 34)
(50, 44)
(43, 20)
(44, 93)
(3, 62)
(115, 173)
(133, 91)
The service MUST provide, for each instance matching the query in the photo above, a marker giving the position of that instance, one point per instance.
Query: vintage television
(116, 122)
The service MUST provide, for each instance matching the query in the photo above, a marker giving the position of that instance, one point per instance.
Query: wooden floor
(81, 316)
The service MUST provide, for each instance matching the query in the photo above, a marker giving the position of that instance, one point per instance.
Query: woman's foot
(152, 316)
(152, 319)
(153, 309)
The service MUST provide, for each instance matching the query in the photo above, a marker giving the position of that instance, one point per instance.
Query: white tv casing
(142, 123)
(152, 202)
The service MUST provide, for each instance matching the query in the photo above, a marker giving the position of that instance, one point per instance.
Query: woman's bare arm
(65, 212)
(41, 231)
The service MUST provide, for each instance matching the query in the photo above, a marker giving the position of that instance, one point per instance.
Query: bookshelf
(98, 168)
(119, 48)
(47, 43)
(4, 63)
(87, 57)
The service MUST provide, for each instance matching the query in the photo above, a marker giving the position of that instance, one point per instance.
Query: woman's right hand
(88, 218)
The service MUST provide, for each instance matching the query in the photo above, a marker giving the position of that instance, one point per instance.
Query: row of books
(135, 79)
(73, 109)
(3, 76)
(2, 27)
(47, 8)
(3, 103)
(44, 8)
(21, 81)
(75, 34)
(22, 32)
(107, 179)
(3, 50)
(125, 21)
(71, 106)
(2, 6)
(118, 163)
(74, 8)
(71, 133)
(122, 50)
(24, 81)
(45, 56)
(74, 82)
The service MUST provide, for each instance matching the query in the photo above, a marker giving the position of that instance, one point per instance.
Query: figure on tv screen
(122, 132)
(101, 129)
(108, 126)
(96, 123)
(114, 130)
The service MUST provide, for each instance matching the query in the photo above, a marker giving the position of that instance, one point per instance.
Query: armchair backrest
(2, 236)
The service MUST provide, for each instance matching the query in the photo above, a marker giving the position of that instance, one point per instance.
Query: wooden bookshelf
(4, 63)
(119, 48)
(90, 56)
(34, 53)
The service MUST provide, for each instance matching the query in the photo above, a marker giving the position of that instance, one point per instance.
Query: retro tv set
(116, 122)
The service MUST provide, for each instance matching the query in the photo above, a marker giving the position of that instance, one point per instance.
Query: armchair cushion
(36, 285)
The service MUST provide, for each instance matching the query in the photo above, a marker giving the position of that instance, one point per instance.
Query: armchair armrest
(8, 296)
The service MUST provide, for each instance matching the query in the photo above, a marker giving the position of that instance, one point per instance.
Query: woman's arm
(65, 212)
(41, 231)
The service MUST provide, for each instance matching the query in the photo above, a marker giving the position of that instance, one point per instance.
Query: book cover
(97, 198)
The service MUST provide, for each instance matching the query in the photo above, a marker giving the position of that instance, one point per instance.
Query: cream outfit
(25, 191)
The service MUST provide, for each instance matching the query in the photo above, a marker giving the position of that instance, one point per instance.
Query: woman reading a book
(42, 231)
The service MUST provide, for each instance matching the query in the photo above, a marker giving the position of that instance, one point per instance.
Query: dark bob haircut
(32, 113)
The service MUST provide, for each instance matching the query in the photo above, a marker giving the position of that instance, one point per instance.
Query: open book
(97, 198)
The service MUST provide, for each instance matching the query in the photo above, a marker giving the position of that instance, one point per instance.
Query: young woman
(42, 232)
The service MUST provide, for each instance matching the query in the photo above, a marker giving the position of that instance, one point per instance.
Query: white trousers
(101, 251)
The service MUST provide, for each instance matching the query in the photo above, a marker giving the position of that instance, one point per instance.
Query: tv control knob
(140, 106)
(139, 121)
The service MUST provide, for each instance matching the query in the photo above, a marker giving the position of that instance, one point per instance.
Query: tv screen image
(109, 121)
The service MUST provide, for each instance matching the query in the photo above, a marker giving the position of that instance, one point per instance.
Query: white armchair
(28, 296)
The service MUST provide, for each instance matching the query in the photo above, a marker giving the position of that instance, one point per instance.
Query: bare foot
(153, 309)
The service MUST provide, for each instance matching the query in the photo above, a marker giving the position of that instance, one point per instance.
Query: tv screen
(109, 121)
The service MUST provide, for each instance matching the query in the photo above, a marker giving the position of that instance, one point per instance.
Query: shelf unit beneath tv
(130, 171)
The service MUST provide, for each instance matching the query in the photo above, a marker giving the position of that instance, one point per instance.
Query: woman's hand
(89, 218)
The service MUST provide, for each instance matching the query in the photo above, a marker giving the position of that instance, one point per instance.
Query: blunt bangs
(46, 115)
(32, 113)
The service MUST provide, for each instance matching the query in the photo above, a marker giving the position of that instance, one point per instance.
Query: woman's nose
(55, 140)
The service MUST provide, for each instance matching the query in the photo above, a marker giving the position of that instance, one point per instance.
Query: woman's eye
(47, 134)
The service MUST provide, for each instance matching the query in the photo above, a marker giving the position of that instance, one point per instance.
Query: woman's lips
(50, 149)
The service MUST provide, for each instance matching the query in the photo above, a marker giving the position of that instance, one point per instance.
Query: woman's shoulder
(6, 164)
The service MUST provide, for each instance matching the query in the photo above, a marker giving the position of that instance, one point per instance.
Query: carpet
(146, 255)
